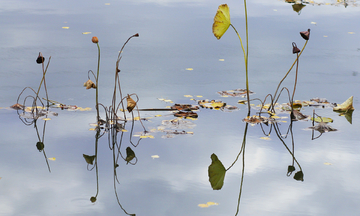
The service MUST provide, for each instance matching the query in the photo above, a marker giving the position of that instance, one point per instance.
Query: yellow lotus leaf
(221, 21)
(347, 105)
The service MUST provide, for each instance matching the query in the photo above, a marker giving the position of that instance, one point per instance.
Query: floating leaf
(265, 138)
(221, 59)
(199, 96)
(221, 21)
(322, 119)
(190, 114)
(86, 33)
(53, 159)
(130, 103)
(65, 27)
(188, 96)
(327, 163)
(189, 69)
(216, 173)
(89, 84)
(347, 105)
(203, 205)
(155, 156)
(297, 115)
(89, 159)
(212, 203)
(323, 127)
(46, 119)
(234, 93)
(184, 107)
(17, 106)
(211, 104)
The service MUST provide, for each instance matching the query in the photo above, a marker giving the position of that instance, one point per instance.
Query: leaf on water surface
(89, 84)
(265, 138)
(190, 114)
(211, 104)
(327, 163)
(297, 115)
(323, 127)
(203, 205)
(207, 204)
(17, 107)
(89, 159)
(107, 3)
(65, 27)
(184, 107)
(52, 159)
(234, 93)
(130, 154)
(130, 103)
(86, 33)
(189, 69)
(221, 59)
(188, 96)
(221, 21)
(322, 119)
(46, 119)
(155, 156)
(346, 106)
(216, 173)
(351, 32)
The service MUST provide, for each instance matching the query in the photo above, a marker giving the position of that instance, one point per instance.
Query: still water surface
(175, 36)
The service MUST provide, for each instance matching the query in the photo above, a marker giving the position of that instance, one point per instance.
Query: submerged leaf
(216, 173)
(347, 105)
(221, 21)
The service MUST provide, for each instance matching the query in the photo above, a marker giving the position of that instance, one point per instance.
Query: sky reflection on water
(175, 36)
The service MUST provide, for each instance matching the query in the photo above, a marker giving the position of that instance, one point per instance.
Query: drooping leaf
(347, 105)
(221, 21)
(89, 159)
(216, 173)
(130, 103)
(130, 154)
(40, 146)
(89, 84)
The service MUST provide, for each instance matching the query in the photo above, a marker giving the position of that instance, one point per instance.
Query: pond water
(176, 55)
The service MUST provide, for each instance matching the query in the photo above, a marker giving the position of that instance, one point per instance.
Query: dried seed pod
(295, 48)
(305, 34)
(40, 59)
(130, 103)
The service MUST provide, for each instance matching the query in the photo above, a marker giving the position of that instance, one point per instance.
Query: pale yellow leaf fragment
(265, 138)
(137, 118)
(199, 96)
(123, 130)
(155, 156)
(52, 158)
(212, 203)
(221, 59)
(168, 101)
(65, 27)
(158, 115)
(351, 32)
(107, 3)
(189, 69)
(314, 23)
(203, 205)
(188, 96)
(91, 129)
(327, 163)
(346, 106)
(325, 36)
(86, 33)
(46, 119)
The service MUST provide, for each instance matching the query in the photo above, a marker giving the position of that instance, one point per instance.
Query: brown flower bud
(95, 39)
(305, 34)
(40, 59)
(130, 103)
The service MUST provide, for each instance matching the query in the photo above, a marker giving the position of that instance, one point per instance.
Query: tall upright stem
(97, 85)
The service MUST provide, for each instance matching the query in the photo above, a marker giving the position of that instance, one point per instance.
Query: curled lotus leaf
(130, 103)
(346, 106)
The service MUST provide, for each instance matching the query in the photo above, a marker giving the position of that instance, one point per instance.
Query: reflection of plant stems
(97, 136)
(242, 147)
(243, 167)
(43, 79)
(296, 75)
(97, 86)
(289, 71)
